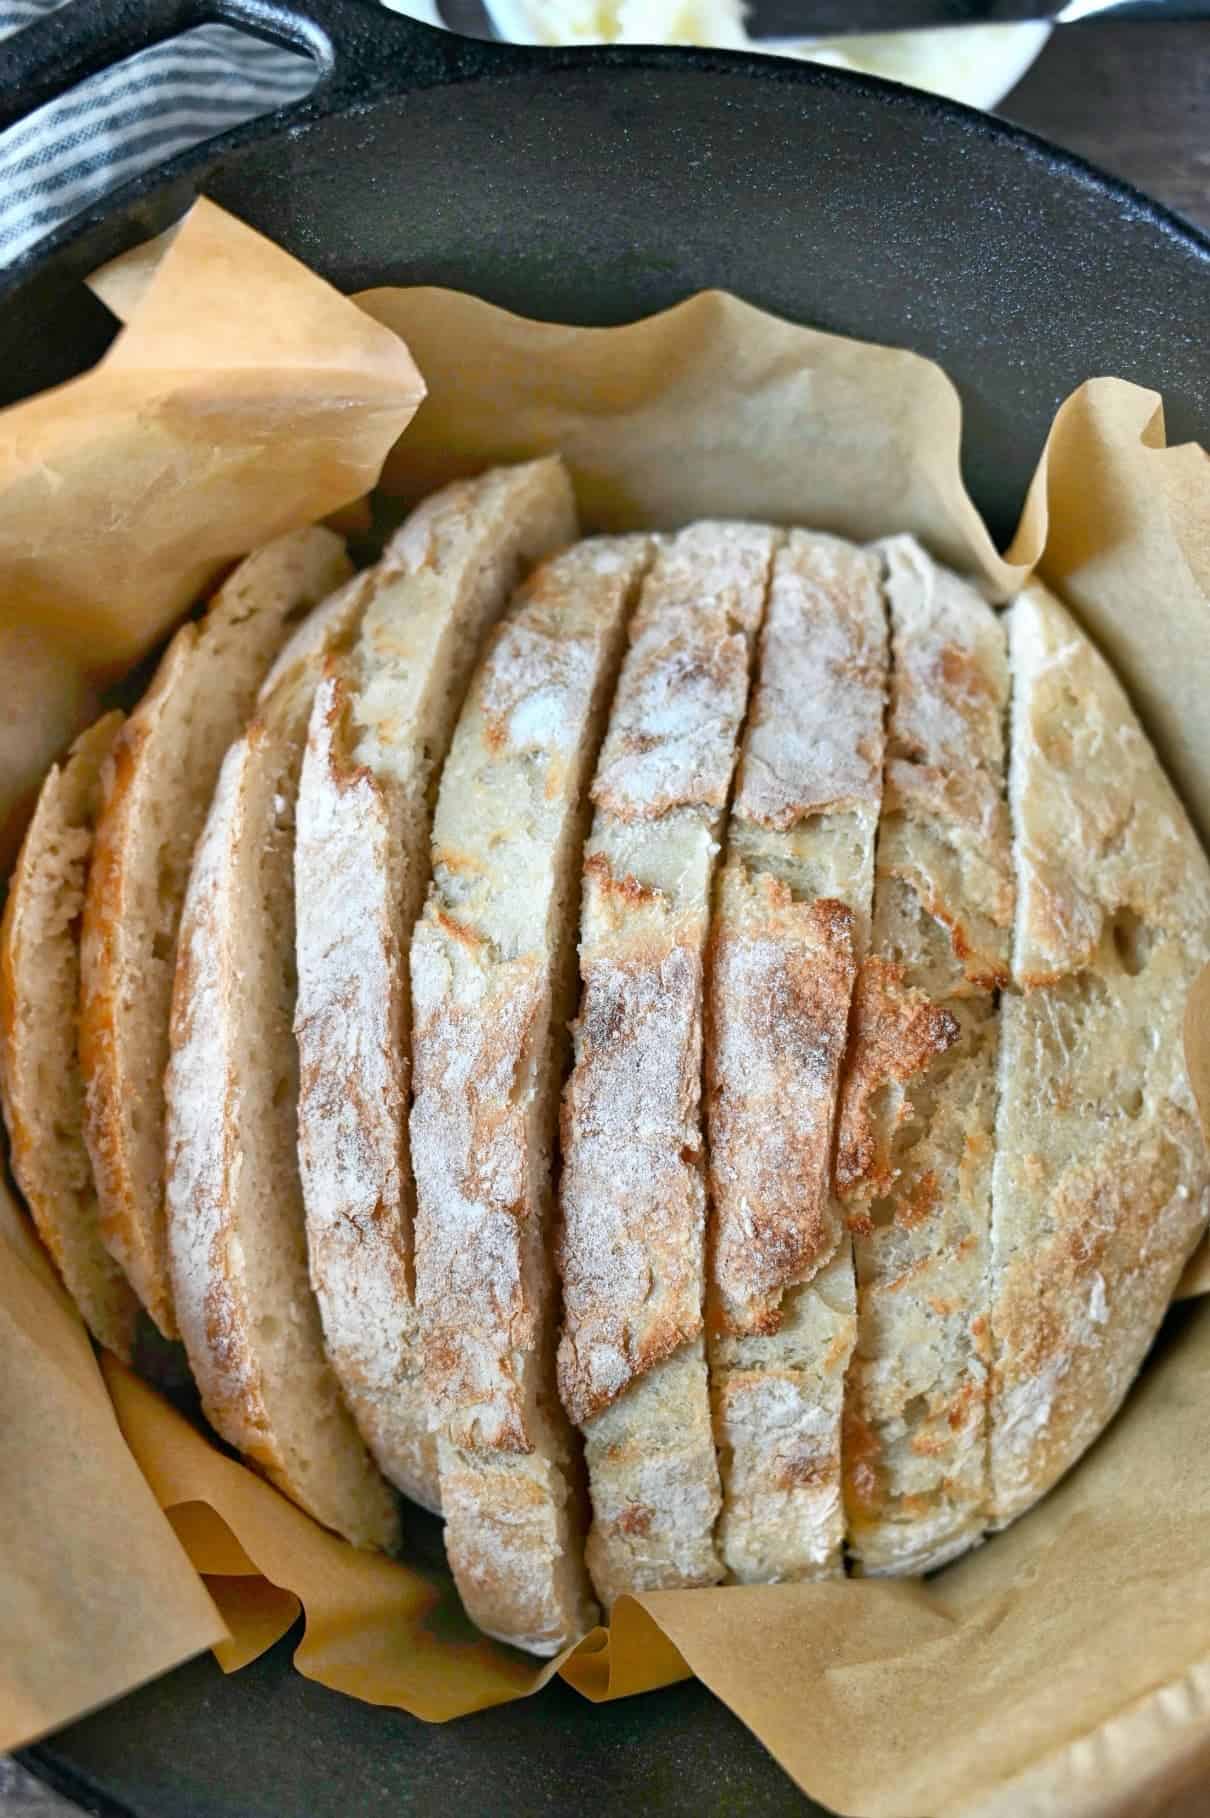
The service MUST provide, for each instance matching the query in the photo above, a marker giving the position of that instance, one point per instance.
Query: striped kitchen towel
(134, 116)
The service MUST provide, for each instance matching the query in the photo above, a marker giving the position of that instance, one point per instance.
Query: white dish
(975, 64)
(978, 64)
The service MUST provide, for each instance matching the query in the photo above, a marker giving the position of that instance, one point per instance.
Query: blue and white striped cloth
(134, 116)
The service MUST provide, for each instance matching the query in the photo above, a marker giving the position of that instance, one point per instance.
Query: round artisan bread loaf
(742, 1131)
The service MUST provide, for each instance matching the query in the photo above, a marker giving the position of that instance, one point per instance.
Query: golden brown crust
(791, 920)
(354, 1079)
(471, 1056)
(486, 959)
(235, 1226)
(106, 1087)
(654, 1482)
(671, 738)
(781, 977)
(1104, 844)
(633, 1191)
(916, 1160)
(638, 1046)
(918, 1381)
(160, 780)
(1101, 1181)
(813, 743)
(493, 960)
(19, 1134)
(945, 831)
(632, 1364)
(208, 1294)
(40, 1077)
(896, 1033)
(976, 914)
(508, 1518)
(379, 737)
(1121, 1233)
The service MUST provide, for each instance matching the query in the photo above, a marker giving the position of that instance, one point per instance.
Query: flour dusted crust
(39, 1071)
(379, 732)
(945, 834)
(1101, 1187)
(493, 969)
(160, 781)
(791, 918)
(632, 1366)
(878, 1161)
(236, 1237)
(915, 1147)
(781, 977)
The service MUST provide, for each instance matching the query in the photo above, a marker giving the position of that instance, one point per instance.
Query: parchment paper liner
(1063, 1668)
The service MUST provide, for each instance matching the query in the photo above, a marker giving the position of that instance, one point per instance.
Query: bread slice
(791, 920)
(161, 780)
(379, 732)
(1101, 1186)
(236, 1229)
(493, 974)
(914, 1155)
(632, 1365)
(40, 1080)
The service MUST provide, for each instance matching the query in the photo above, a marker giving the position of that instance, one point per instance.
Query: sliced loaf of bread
(236, 1225)
(163, 773)
(493, 975)
(915, 1148)
(40, 1078)
(791, 921)
(1101, 1183)
(632, 1363)
(380, 729)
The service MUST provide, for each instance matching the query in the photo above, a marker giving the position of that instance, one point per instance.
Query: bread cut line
(915, 1143)
(1100, 1182)
(40, 1078)
(493, 974)
(379, 731)
(161, 778)
(236, 1229)
(791, 921)
(632, 1361)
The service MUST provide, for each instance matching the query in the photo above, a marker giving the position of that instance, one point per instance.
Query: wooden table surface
(1134, 99)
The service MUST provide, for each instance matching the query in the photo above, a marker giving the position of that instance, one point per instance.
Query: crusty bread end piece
(39, 1070)
(380, 729)
(632, 1363)
(160, 781)
(791, 921)
(1101, 1184)
(236, 1228)
(493, 968)
(914, 1156)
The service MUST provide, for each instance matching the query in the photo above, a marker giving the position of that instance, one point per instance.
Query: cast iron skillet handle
(361, 49)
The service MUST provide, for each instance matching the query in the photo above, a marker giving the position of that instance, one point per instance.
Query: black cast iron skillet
(594, 186)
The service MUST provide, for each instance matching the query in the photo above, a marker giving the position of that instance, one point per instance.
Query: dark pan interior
(856, 206)
(543, 186)
(267, 1743)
